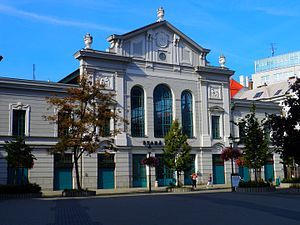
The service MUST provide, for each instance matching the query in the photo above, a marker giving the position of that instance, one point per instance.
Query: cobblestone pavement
(71, 212)
(207, 208)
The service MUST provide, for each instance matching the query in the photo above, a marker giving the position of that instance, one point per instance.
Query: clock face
(162, 40)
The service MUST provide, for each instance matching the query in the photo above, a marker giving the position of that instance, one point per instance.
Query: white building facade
(158, 74)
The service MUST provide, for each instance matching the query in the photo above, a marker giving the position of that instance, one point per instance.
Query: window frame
(190, 125)
(141, 104)
(166, 105)
(19, 106)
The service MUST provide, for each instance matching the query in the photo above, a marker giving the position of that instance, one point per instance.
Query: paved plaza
(205, 208)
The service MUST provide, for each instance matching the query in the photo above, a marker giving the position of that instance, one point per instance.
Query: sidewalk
(137, 191)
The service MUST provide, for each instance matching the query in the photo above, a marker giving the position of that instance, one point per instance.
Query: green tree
(285, 128)
(83, 117)
(19, 156)
(256, 142)
(176, 153)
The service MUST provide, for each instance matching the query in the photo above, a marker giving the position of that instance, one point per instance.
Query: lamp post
(232, 171)
(149, 153)
(235, 153)
(149, 144)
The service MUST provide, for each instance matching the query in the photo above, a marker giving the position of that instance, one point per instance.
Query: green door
(188, 173)
(164, 175)
(63, 168)
(139, 178)
(218, 169)
(244, 173)
(106, 171)
(269, 170)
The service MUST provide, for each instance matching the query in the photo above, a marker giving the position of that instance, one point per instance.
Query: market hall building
(158, 74)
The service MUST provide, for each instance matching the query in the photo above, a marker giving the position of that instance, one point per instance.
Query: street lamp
(232, 171)
(149, 153)
(149, 144)
(235, 153)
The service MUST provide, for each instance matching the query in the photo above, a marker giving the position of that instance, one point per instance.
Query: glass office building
(277, 62)
(276, 69)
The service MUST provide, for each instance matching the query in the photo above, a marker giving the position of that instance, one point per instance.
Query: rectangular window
(63, 120)
(258, 94)
(215, 127)
(242, 134)
(105, 128)
(18, 126)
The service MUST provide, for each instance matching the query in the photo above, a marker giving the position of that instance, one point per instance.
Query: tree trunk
(15, 179)
(255, 174)
(178, 181)
(76, 168)
(22, 176)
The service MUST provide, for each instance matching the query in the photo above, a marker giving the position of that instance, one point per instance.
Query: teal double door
(139, 178)
(218, 169)
(63, 168)
(164, 175)
(106, 171)
(188, 173)
(269, 170)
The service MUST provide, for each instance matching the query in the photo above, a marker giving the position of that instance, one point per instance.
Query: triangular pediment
(159, 42)
(164, 25)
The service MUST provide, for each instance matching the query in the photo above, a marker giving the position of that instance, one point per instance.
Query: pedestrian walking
(194, 180)
(209, 181)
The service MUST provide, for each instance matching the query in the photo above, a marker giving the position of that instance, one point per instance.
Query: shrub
(291, 180)
(250, 183)
(297, 186)
(20, 189)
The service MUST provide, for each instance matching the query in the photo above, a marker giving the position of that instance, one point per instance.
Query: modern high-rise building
(276, 69)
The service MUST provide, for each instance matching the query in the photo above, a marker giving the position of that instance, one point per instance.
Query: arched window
(187, 113)
(137, 112)
(162, 110)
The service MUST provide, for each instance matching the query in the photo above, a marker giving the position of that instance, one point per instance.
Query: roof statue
(88, 41)
(160, 14)
(222, 60)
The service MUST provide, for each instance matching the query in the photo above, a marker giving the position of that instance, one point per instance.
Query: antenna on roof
(273, 48)
(33, 71)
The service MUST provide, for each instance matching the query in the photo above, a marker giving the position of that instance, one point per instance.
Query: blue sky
(48, 32)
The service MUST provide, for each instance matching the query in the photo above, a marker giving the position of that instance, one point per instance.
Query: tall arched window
(187, 113)
(137, 112)
(162, 98)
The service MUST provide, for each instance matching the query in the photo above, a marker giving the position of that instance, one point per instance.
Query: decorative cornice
(14, 83)
(259, 104)
(215, 70)
(101, 55)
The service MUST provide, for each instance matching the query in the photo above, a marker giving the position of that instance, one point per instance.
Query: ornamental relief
(215, 92)
(162, 40)
(105, 79)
